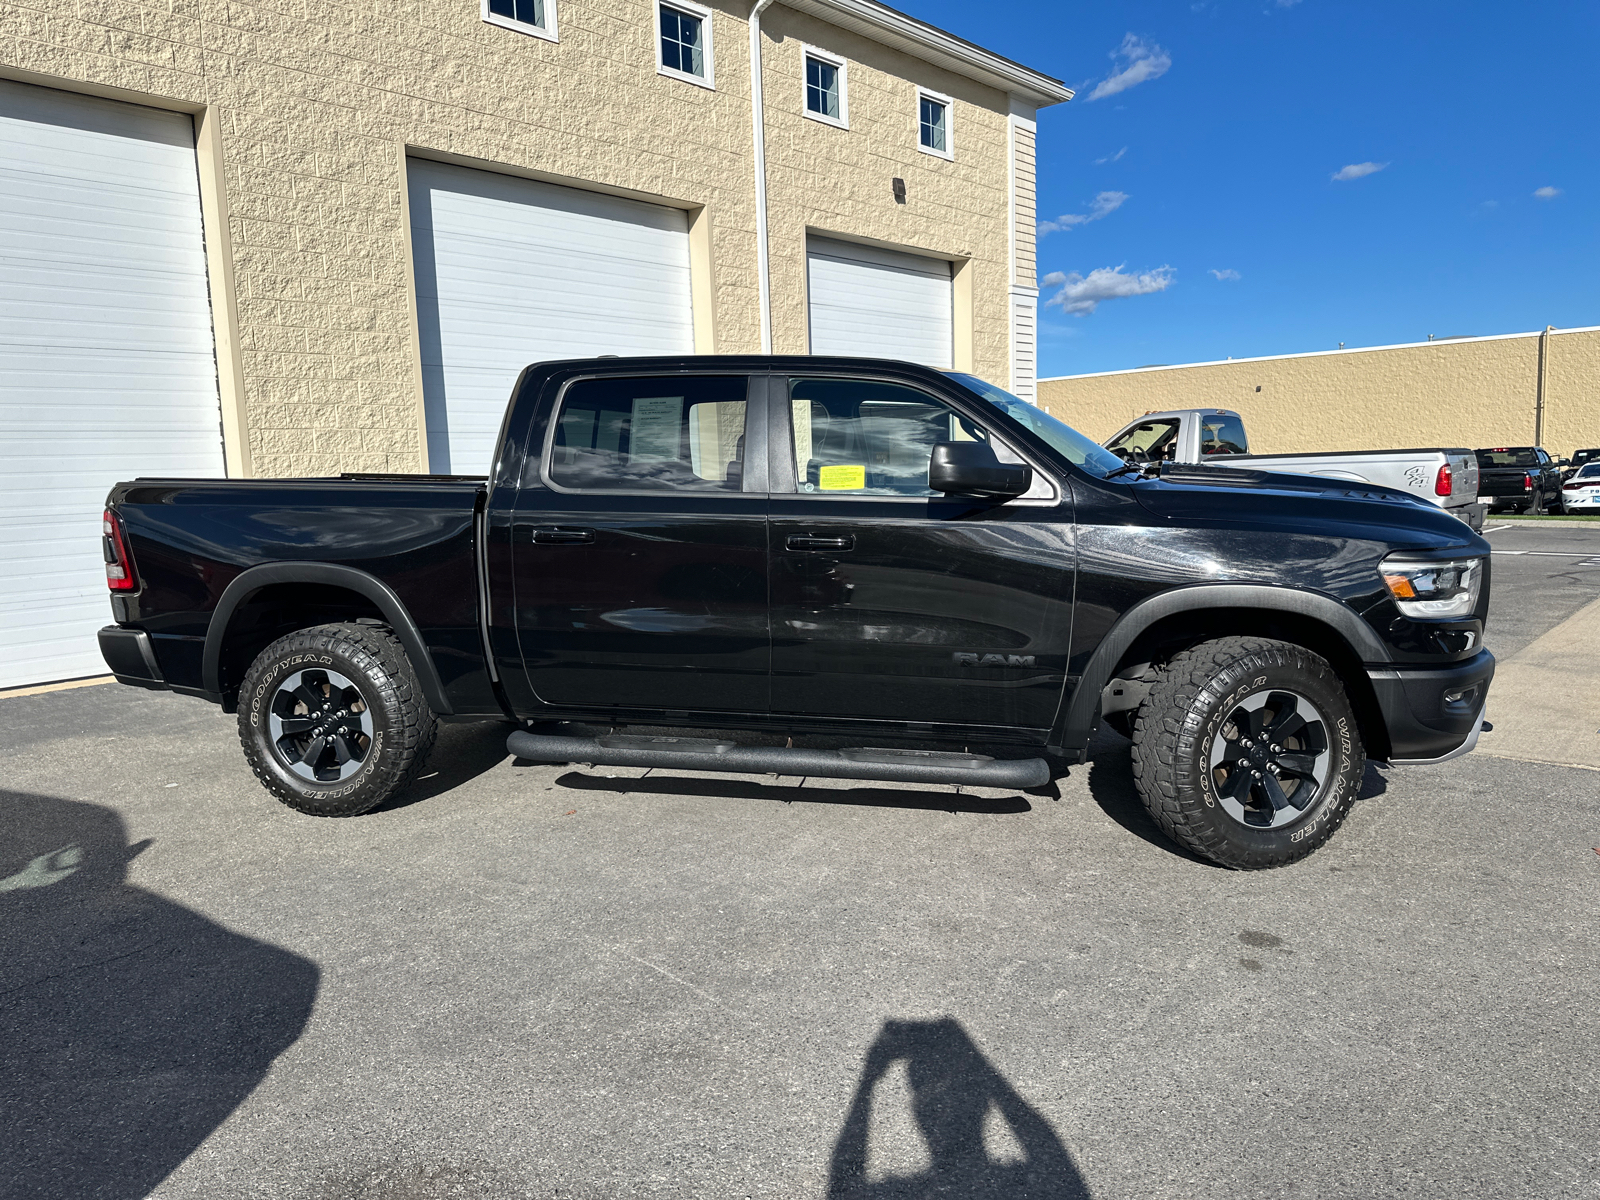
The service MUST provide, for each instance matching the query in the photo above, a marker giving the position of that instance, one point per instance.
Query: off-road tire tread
(388, 672)
(1156, 730)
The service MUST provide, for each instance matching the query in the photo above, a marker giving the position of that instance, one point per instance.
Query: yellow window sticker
(841, 479)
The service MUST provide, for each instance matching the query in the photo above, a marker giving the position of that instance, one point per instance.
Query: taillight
(119, 563)
(1527, 483)
(1444, 482)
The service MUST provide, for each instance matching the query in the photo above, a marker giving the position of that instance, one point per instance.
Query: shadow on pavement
(461, 753)
(743, 789)
(1111, 785)
(132, 1026)
(954, 1090)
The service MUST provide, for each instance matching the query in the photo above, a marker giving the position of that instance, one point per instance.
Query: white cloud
(1547, 193)
(1287, 3)
(1104, 205)
(1117, 157)
(1226, 273)
(1080, 295)
(1358, 170)
(1141, 61)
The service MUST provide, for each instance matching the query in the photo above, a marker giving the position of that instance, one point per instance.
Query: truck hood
(1267, 501)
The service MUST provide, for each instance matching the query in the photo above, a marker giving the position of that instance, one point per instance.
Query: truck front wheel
(1247, 753)
(332, 719)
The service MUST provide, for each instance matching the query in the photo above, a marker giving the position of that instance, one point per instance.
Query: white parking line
(1493, 528)
(1544, 553)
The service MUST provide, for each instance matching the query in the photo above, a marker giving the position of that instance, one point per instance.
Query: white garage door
(511, 271)
(879, 303)
(107, 369)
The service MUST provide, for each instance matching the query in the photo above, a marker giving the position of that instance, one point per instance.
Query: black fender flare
(251, 581)
(1079, 719)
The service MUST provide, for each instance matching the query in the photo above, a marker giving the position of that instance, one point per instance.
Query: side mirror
(971, 469)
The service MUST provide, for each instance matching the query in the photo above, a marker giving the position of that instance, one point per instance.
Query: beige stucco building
(309, 121)
(1515, 389)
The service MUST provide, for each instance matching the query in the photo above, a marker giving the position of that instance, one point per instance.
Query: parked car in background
(1581, 493)
(1447, 478)
(810, 549)
(1579, 459)
(1519, 479)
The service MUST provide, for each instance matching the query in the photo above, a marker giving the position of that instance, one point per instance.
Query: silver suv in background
(1447, 477)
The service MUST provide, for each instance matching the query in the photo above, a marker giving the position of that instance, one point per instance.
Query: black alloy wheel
(332, 719)
(1270, 758)
(320, 726)
(1247, 751)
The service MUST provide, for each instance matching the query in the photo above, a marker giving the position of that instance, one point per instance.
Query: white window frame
(949, 151)
(708, 80)
(547, 31)
(842, 121)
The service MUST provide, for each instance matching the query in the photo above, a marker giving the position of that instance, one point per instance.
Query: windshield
(1064, 439)
(1592, 471)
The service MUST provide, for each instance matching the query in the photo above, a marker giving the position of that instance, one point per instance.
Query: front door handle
(808, 541)
(561, 535)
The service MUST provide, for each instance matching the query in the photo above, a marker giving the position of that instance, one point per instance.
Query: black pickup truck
(1519, 477)
(809, 552)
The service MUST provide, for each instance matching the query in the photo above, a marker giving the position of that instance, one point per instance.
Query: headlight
(1444, 589)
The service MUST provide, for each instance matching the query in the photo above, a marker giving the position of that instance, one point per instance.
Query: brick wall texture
(318, 102)
(1466, 393)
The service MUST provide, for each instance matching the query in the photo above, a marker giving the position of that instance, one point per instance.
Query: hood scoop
(1200, 475)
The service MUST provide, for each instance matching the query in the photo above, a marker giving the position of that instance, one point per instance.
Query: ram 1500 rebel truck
(808, 553)
(1447, 476)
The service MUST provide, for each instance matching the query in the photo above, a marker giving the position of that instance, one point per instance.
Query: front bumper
(131, 657)
(1432, 713)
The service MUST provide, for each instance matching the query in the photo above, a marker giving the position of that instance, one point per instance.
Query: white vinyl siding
(107, 366)
(512, 271)
(869, 302)
(1025, 211)
(1024, 346)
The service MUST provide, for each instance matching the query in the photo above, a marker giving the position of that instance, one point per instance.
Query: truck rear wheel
(332, 719)
(1247, 753)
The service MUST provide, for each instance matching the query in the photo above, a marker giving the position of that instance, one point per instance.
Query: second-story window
(525, 16)
(684, 42)
(825, 98)
(933, 123)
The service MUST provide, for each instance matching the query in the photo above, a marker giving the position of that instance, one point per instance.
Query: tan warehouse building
(1516, 389)
(279, 239)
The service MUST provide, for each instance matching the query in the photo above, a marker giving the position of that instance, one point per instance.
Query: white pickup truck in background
(1447, 477)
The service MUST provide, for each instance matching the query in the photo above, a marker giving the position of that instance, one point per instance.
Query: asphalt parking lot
(535, 981)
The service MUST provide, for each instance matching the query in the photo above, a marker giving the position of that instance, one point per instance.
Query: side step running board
(706, 754)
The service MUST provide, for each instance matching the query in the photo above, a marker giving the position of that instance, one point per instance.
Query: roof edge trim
(927, 42)
(1437, 343)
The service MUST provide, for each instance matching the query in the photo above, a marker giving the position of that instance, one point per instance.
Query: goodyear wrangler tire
(1247, 752)
(332, 719)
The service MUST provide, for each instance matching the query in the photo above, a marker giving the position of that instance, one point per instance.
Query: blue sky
(1215, 146)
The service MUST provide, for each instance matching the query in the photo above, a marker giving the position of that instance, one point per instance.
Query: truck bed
(194, 540)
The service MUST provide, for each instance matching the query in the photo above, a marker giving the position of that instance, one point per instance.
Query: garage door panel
(107, 369)
(512, 271)
(866, 301)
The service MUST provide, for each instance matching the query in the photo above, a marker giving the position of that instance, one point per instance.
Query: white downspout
(759, 127)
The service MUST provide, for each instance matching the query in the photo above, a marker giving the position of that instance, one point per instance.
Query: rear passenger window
(861, 437)
(663, 433)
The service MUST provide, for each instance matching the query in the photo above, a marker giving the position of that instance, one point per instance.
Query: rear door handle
(807, 541)
(559, 535)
